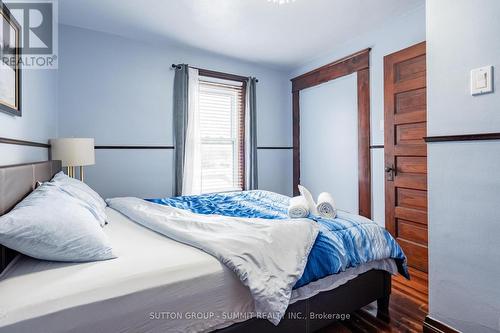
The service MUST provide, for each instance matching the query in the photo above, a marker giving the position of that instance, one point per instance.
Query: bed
(157, 284)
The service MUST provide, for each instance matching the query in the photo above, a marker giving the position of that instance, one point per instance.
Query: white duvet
(268, 256)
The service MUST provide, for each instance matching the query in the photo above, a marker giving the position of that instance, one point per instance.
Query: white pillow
(309, 198)
(84, 193)
(51, 225)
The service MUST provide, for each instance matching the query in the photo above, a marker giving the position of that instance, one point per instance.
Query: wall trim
(463, 137)
(9, 141)
(270, 147)
(172, 147)
(134, 147)
(435, 326)
(359, 63)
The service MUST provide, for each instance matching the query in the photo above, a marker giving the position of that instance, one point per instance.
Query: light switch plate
(481, 80)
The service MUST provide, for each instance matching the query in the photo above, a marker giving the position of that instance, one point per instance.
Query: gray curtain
(251, 136)
(181, 96)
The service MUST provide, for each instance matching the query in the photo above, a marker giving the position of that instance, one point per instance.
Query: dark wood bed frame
(17, 181)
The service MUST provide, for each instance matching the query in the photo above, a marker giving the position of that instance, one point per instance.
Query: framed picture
(10, 63)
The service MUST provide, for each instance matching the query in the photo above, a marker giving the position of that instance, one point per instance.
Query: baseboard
(434, 326)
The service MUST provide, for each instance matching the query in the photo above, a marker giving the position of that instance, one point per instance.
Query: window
(222, 123)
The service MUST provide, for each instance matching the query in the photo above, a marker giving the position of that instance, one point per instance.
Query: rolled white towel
(297, 207)
(326, 205)
(309, 199)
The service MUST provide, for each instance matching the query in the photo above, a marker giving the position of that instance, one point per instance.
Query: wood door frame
(359, 63)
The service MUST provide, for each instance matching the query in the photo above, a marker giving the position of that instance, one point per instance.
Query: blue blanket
(347, 241)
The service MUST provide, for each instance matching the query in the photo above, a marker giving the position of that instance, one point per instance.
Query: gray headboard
(16, 182)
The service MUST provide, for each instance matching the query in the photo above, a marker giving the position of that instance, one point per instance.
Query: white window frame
(204, 85)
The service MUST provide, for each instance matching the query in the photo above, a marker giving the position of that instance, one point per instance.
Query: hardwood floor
(407, 309)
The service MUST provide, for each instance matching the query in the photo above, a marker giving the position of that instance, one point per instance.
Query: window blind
(221, 109)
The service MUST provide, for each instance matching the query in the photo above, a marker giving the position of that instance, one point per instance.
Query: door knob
(390, 172)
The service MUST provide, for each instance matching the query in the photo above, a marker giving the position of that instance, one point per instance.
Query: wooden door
(406, 152)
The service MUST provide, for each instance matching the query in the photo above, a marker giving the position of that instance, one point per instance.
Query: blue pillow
(49, 224)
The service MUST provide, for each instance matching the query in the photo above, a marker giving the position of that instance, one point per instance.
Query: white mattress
(155, 285)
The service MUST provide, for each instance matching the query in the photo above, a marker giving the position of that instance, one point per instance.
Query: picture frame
(10, 63)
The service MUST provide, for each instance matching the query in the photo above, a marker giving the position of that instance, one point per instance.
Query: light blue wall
(329, 140)
(464, 177)
(462, 35)
(119, 91)
(38, 121)
(393, 36)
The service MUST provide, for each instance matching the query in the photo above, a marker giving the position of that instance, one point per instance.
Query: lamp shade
(73, 151)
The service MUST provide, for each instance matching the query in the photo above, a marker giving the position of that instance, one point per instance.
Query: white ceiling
(282, 36)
